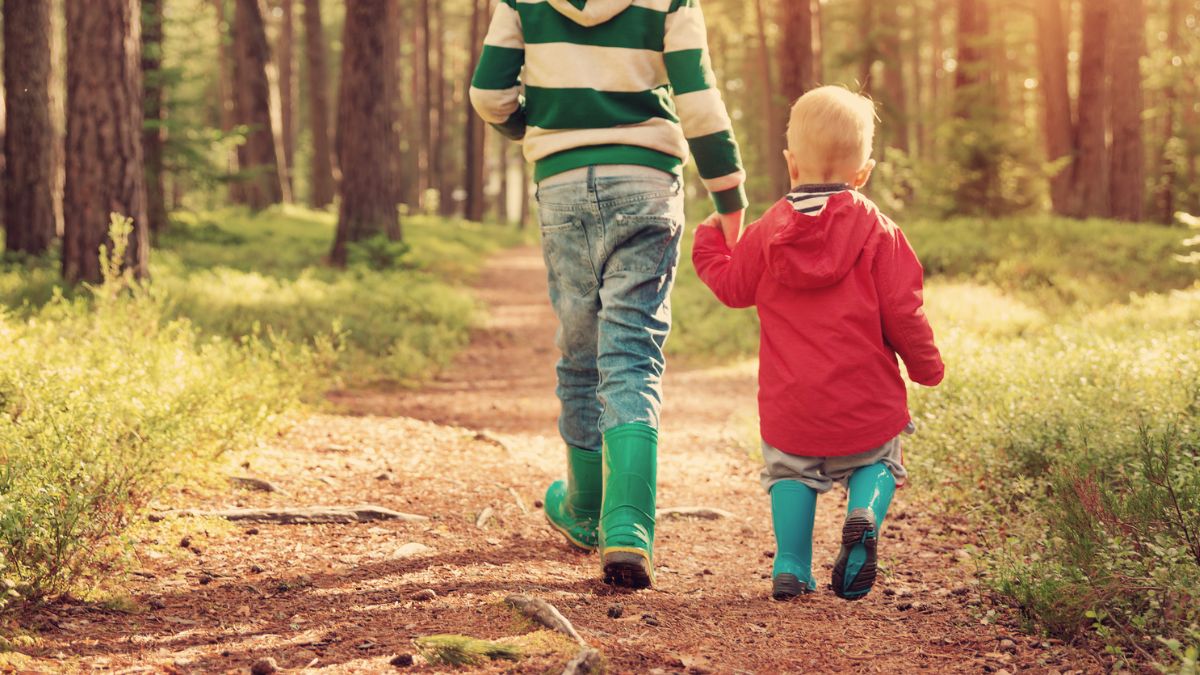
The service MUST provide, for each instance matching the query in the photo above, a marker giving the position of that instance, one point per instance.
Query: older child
(608, 96)
(838, 292)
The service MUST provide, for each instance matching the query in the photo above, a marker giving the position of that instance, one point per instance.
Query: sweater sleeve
(496, 85)
(701, 111)
(899, 280)
(732, 276)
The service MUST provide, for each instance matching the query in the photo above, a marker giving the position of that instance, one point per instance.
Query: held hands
(729, 223)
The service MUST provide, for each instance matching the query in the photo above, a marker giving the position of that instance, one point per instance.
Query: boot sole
(787, 586)
(629, 568)
(575, 543)
(859, 530)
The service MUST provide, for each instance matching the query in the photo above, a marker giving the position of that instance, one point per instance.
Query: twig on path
(520, 502)
(484, 516)
(544, 613)
(586, 662)
(490, 438)
(300, 515)
(254, 484)
(703, 512)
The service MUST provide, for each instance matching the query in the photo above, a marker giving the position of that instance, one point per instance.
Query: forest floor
(481, 439)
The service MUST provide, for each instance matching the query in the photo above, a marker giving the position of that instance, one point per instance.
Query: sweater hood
(590, 13)
(815, 251)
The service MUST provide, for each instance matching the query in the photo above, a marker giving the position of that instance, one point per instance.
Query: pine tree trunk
(919, 120)
(225, 93)
(1128, 169)
(366, 133)
(796, 51)
(937, 71)
(1090, 173)
(775, 109)
(1165, 197)
(1056, 98)
(474, 148)
(970, 76)
(105, 171)
(29, 131)
(154, 135)
(322, 183)
(287, 88)
(258, 157)
(438, 163)
(894, 111)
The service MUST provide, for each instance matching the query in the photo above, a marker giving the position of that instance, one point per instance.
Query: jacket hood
(815, 251)
(590, 13)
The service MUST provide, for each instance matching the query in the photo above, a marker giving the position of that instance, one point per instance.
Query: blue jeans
(611, 237)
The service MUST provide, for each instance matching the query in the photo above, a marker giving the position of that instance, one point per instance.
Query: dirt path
(340, 596)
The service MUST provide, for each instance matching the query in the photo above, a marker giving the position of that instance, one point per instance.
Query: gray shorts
(820, 473)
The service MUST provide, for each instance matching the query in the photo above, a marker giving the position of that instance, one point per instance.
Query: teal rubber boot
(871, 490)
(573, 506)
(793, 509)
(627, 515)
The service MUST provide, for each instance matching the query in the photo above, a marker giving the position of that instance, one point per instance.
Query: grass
(1068, 426)
(110, 394)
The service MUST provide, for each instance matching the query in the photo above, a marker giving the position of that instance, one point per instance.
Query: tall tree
(797, 54)
(29, 135)
(1165, 197)
(154, 136)
(776, 108)
(258, 157)
(426, 103)
(225, 93)
(437, 68)
(322, 187)
(1127, 177)
(287, 87)
(970, 75)
(366, 128)
(1090, 172)
(1057, 125)
(105, 173)
(894, 111)
(473, 155)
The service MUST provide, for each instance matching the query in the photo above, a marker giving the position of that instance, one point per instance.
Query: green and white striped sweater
(609, 82)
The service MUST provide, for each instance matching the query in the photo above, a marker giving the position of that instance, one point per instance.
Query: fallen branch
(253, 484)
(545, 614)
(586, 662)
(703, 512)
(300, 515)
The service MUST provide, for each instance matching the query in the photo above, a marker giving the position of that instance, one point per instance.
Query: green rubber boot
(793, 510)
(627, 516)
(573, 506)
(871, 490)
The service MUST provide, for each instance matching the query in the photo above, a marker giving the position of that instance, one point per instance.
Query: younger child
(838, 291)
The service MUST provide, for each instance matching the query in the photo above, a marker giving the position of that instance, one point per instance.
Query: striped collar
(811, 199)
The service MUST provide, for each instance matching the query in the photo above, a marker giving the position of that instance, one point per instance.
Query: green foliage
(462, 650)
(102, 402)
(110, 393)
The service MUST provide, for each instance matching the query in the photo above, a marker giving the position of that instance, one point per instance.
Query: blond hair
(831, 131)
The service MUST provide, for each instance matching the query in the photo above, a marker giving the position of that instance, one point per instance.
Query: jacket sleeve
(496, 85)
(732, 276)
(899, 280)
(702, 113)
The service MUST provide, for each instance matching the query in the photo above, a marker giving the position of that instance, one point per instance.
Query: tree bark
(1127, 178)
(258, 157)
(366, 129)
(796, 54)
(29, 130)
(474, 146)
(225, 93)
(439, 160)
(894, 111)
(154, 136)
(105, 173)
(1165, 197)
(970, 76)
(322, 187)
(1056, 98)
(775, 110)
(287, 88)
(1091, 158)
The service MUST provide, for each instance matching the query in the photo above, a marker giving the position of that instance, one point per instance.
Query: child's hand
(731, 224)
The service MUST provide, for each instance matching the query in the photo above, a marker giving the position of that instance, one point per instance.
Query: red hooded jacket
(838, 296)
